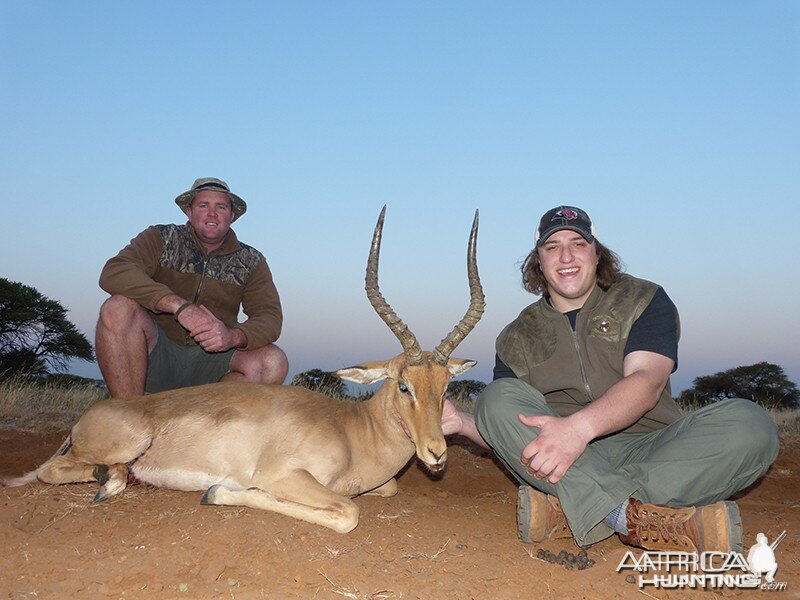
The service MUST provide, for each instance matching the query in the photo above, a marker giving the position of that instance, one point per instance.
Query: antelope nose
(440, 457)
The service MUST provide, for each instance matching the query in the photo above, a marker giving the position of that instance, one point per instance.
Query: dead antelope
(279, 448)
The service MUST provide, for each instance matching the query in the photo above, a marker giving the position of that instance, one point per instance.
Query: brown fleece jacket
(169, 259)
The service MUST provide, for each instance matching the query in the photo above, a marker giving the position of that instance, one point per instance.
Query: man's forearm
(170, 303)
(629, 399)
(469, 429)
(239, 338)
(621, 406)
(130, 273)
(455, 421)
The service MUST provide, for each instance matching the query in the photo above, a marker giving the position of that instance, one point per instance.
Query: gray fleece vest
(572, 368)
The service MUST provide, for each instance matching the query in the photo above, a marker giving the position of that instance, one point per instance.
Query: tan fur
(280, 448)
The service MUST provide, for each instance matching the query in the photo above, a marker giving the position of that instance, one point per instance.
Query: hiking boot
(716, 527)
(539, 516)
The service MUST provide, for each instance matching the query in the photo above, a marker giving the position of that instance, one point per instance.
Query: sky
(674, 124)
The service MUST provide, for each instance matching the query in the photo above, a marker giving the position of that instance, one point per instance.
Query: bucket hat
(213, 184)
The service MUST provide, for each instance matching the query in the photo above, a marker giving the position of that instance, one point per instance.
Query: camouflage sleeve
(130, 273)
(262, 305)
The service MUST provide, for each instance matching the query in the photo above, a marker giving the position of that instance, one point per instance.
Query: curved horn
(410, 345)
(476, 302)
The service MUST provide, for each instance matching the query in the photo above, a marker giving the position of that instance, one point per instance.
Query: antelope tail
(30, 477)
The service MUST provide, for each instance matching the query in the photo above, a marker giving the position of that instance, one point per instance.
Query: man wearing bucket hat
(580, 409)
(176, 292)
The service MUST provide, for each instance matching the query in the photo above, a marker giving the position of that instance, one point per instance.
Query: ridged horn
(409, 342)
(476, 302)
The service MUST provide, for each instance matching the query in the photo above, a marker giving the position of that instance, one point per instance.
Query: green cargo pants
(703, 457)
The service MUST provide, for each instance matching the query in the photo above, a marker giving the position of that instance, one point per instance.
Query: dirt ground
(454, 537)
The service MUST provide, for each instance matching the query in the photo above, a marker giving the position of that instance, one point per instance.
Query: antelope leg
(387, 490)
(113, 479)
(298, 495)
(65, 469)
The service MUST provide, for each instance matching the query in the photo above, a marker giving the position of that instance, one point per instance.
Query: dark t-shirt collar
(572, 315)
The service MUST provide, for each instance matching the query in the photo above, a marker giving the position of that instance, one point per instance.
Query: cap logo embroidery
(568, 214)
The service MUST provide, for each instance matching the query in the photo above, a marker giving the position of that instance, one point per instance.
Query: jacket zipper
(200, 284)
(586, 385)
(187, 336)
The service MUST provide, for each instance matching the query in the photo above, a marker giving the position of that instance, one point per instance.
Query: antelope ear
(366, 373)
(457, 366)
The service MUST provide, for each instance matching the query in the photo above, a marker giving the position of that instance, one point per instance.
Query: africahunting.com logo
(708, 570)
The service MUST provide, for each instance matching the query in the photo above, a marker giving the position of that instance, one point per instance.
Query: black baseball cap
(564, 217)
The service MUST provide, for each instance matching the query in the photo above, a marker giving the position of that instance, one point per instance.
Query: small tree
(465, 388)
(35, 334)
(318, 380)
(463, 392)
(764, 383)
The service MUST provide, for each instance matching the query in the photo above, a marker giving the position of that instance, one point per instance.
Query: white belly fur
(184, 480)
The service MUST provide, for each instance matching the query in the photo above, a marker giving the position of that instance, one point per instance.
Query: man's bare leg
(263, 365)
(124, 337)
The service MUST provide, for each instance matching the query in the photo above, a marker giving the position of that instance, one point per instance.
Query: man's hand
(559, 444)
(461, 422)
(207, 330)
(452, 421)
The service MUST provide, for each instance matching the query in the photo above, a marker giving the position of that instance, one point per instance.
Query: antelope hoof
(387, 490)
(100, 473)
(210, 495)
(107, 491)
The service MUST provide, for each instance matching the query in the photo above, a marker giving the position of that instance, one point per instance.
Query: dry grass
(44, 407)
(787, 422)
(354, 593)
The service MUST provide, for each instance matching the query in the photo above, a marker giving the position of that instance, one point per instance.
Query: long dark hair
(609, 268)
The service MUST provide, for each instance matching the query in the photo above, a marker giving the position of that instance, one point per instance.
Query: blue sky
(674, 124)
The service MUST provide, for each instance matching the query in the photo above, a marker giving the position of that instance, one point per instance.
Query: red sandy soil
(452, 537)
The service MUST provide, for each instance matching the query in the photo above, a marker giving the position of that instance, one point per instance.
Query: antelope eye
(403, 387)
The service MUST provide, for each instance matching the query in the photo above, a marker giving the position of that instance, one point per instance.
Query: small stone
(630, 579)
(183, 587)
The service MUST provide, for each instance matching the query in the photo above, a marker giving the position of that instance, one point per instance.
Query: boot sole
(734, 526)
(524, 515)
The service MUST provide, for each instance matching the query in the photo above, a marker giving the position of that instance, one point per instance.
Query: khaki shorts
(172, 365)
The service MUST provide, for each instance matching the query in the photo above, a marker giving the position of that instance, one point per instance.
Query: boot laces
(655, 525)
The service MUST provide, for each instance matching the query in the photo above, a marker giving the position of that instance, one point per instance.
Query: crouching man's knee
(756, 429)
(117, 310)
(262, 365)
(499, 404)
(743, 431)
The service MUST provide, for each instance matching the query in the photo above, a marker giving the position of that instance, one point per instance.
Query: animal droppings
(569, 560)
